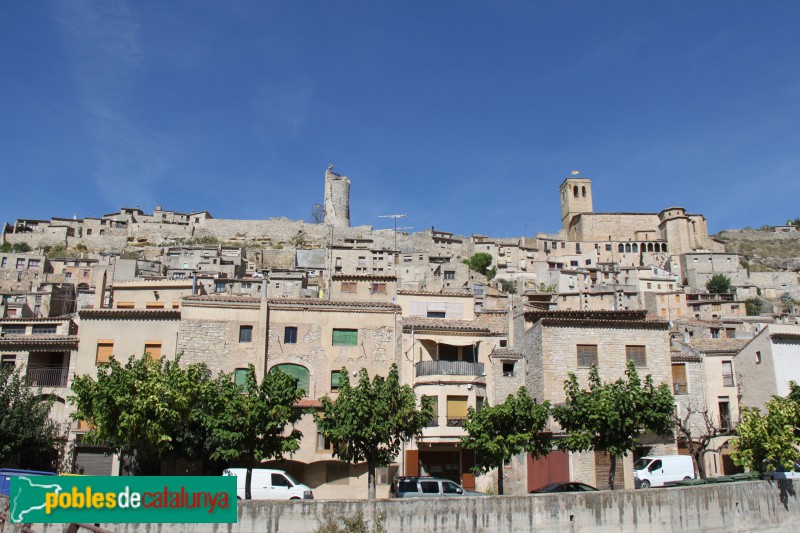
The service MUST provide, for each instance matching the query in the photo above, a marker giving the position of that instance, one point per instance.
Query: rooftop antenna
(395, 217)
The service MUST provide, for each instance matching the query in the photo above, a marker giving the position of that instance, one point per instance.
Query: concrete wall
(748, 506)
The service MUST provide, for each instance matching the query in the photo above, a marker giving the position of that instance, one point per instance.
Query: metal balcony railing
(448, 368)
(455, 422)
(47, 377)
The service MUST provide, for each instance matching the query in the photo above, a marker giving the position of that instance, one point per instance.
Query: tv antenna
(395, 217)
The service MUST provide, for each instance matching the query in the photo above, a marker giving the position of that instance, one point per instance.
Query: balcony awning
(452, 340)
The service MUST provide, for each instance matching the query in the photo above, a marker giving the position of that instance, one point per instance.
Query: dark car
(564, 487)
(427, 487)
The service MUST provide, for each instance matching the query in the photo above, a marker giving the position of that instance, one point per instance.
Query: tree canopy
(610, 417)
(27, 433)
(256, 422)
(719, 284)
(497, 433)
(767, 441)
(146, 410)
(480, 262)
(370, 421)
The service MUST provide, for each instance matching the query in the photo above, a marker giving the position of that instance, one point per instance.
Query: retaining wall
(746, 506)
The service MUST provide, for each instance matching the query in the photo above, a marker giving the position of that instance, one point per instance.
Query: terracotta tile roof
(31, 342)
(130, 313)
(681, 357)
(381, 277)
(443, 324)
(321, 303)
(36, 320)
(508, 353)
(221, 298)
(432, 293)
(718, 345)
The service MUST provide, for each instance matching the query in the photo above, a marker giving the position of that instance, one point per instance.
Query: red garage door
(552, 468)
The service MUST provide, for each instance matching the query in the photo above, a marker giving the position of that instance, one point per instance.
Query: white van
(268, 484)
(662, 470)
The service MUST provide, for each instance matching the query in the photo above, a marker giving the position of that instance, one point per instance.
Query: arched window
(663, 247)
(575, 191)
(621, 248)
(650, 247)
(635, 248)
(627, 248)
(299, 373)
(583, 191)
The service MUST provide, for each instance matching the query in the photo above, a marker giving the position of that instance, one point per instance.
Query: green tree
(508, 286)
(255, 423)
(146, 410)
(27, 434)
(5, 247)
(369, 422)
(498, 433)
(610, 417)
(767, 440)
(481, 262)
(20, 247)
(719, 284)
(753, 306)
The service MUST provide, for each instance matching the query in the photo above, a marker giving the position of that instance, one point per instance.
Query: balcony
(456, 422)
(47, 377)
(449, 368)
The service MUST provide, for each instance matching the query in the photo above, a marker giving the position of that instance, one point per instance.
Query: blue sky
(466, 115)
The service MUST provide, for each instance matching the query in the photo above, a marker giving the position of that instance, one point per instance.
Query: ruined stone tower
(337, 199)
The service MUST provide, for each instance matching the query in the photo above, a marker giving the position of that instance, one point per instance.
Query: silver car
(427, 487)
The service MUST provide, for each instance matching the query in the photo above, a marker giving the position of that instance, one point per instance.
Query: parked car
(662, 470)
(564, 487)
(427, 487)
(782, 473)
(7, 473)
(269, 484)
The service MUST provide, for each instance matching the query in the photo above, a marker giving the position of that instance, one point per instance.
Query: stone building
(558, 342)
(766, 365)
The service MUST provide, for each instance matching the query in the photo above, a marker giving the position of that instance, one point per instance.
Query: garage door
(93, 462)
(552, 468)
(602, 468)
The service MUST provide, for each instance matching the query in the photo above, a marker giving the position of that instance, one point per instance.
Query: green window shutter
(299, 373)
(345, 337)
(240, 378)
(336, 379)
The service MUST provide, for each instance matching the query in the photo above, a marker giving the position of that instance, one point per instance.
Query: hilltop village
(312, 297)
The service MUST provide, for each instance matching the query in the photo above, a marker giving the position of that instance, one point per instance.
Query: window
(608, 247)
(3, 262)
(290, 335)
(219, 286)
(429, 487)
(154, 305)
(240, 378)
(124, 305)
(758, 358)
(279, 480)
(727, 373)
(20, 263)
(724, 413)
(587, 355)
(8, 360)
(299, 373)
(679, 379)
(434, 421)
(715, 333)
(349, 286)
(44, 329)
(456, 410)
(105, 349)
(153, 348)
(34, 264)
(503, 343)
(448, 487)
(378, 288)
(245, 333)
(508, 368)
(345, 337)
(449, 274)
(573, 263)
(637, 355)
(436, 314)
(336, 379)
(324, 443)
(13, 330)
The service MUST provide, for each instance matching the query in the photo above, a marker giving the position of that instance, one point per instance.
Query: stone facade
(337, 199)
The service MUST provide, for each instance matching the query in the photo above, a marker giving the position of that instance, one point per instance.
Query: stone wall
(722, 508)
